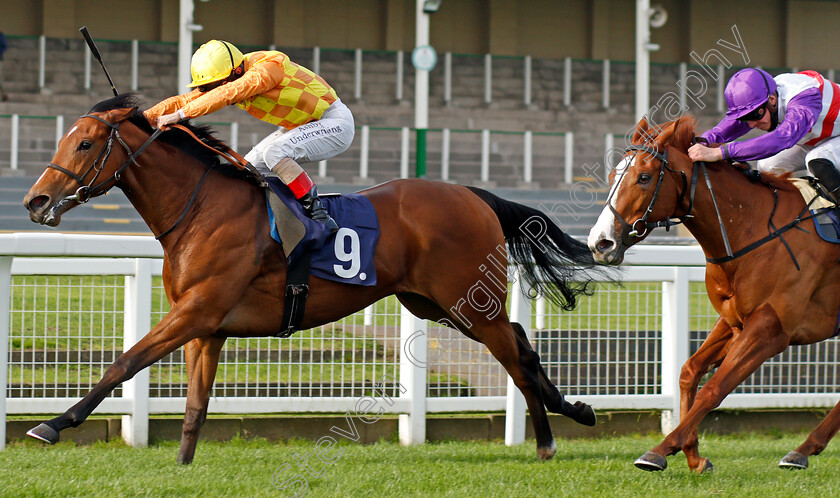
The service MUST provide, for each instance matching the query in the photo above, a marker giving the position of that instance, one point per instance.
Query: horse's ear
(683, 133)
(639, 135)
(117, 115)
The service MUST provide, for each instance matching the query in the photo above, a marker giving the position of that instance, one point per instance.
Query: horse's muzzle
(43, 211)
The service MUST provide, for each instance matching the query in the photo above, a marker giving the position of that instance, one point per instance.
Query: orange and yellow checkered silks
(273, 89)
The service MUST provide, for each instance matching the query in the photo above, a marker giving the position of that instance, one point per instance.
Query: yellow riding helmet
(213, 62)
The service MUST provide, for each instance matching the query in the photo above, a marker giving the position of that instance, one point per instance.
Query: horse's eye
(85, 145)
(644, 178)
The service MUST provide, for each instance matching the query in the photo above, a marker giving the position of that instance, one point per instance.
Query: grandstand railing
(69, 304)
(364, 140)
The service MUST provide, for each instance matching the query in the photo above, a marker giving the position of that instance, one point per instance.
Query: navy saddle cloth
(345, 256)
(828, 225)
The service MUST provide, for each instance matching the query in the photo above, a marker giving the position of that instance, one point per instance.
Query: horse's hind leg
(815, 442)
(580, 412)
(202, 357)
(522, 364)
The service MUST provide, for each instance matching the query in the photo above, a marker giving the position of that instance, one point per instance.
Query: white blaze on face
(605, 226)
(71, 131)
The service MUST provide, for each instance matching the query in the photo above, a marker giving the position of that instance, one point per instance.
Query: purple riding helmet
(747, 90)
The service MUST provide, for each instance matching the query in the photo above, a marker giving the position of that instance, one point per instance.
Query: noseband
(91, 189)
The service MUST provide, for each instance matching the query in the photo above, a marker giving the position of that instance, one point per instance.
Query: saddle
(826, 219)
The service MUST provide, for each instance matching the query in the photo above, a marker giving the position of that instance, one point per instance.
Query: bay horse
(765, 304)
(224, 275)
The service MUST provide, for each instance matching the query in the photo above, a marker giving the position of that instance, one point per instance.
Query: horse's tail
(553, 263)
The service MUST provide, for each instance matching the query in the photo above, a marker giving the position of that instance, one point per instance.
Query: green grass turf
(746, 465)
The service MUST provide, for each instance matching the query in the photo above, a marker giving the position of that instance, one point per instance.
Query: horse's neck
(744, 209)
(161, 187)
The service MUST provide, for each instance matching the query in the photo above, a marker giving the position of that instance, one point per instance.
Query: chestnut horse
(764, 303)
(224, 275)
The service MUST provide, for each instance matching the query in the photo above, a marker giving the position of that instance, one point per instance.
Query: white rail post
(570, 156)
(405, 145)
(527, 90)
(364, 152)
(357, 76)
(413, 363)
(369, 315)
(605, 84)
(135, 63)
(515, 407)
(683, 73)
(539, 319)
(322, 168)
(528, 157)
(316, 60)
(234, 135)
(567, 81)
(138, 309)
(488, 78)
(675, 316)
(721, 105)
(444, 154)
(609, 143)
(59, 129)
(87, 69)
(13, 149)
(400, 71)
(830, 75)
(485, 155)
(5, 296)
(447, 78)
(42, 62)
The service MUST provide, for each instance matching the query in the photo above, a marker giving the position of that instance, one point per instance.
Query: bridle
(633, 232)
(91, 189)
(641, 226)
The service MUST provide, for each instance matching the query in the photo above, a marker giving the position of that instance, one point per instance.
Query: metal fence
(72, 303)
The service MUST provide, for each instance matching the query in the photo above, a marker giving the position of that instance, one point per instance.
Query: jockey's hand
(701, 153)
(168, 119)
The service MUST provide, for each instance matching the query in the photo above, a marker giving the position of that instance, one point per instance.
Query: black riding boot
(315, 210)
(827, 174)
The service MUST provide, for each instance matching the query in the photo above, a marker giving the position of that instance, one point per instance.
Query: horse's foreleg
(202, 355)
(762, 337)
(176, 328)
(815, 442)
(553, 398)
(709, 355)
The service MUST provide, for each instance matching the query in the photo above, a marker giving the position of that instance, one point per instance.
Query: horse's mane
(178, 138)
(680, 134)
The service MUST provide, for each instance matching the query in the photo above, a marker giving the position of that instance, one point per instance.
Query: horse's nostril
(39, 202)
(604, 245)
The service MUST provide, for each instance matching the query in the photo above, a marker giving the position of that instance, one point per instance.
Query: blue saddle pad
(828, 225)
(345, 256)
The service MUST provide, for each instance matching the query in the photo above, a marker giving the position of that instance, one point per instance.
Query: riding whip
(95, 52)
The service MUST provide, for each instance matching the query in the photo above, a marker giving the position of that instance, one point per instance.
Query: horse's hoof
(44, 433)
(704, 466)
(547, 453)
(794, 460)
(585, 414)
(651, 461)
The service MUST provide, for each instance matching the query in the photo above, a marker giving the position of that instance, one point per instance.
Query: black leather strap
(297, 290)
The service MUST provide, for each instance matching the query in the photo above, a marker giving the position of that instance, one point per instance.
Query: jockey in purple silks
(800, 112)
